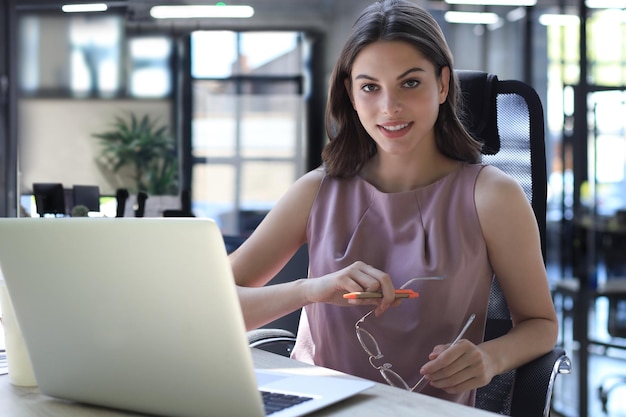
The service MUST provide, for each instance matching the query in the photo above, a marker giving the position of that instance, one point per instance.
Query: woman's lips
(394, 129)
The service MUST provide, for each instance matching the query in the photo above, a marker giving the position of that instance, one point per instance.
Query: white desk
(381, 400)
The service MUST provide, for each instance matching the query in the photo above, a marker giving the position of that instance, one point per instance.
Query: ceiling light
(495, 2)
(606, 4)
(471, 18)
(80, 8)
(559, 19)
(193, 12)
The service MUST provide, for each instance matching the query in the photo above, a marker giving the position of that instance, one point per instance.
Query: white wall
(56, 143)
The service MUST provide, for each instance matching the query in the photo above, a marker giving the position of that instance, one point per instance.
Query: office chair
(140, 210)
(49, 198)
(121, 195)
(185, 206)
(507, 117)
(86, 195)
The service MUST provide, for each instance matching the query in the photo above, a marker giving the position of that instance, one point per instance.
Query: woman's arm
(273, 243)
(281, 233)
(514, 249)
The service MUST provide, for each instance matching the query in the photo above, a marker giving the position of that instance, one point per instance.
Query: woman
(401, 194)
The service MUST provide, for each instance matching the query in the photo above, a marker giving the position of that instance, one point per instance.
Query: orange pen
(369, 294)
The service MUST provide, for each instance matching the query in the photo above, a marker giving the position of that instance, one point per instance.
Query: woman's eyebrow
(407, 72)
(365, 77)
(404, 74)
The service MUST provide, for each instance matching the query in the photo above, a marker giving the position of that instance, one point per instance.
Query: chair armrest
(262, 337)
(534, 383)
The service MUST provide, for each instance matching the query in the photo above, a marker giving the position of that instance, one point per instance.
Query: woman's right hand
(358, 276)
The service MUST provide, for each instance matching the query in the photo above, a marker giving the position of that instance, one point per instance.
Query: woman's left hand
(457, 368)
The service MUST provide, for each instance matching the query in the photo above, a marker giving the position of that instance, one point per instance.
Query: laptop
(142, 314)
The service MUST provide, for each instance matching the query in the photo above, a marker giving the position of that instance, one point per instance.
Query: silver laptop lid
(131, 313)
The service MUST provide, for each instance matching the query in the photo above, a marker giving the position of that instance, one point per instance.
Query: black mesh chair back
(507, 116)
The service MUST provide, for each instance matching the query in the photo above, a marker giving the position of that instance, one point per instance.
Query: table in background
(381, 400)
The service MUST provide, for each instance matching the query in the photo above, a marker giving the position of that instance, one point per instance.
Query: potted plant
(147, 148)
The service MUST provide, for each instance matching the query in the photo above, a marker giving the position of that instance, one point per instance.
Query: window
(91, 56)
(248, 122)
(606, 149)
(150, 73)
(76, 73)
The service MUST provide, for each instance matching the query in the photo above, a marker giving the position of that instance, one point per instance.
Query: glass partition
(248, 123)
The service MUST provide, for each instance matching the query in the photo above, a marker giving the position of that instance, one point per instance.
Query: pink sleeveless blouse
(433, 230)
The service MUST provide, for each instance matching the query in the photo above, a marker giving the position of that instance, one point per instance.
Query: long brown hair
(350, 146)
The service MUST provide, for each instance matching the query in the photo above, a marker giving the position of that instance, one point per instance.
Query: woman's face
(396, 94)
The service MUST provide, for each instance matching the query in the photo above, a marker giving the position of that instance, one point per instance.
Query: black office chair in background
(86, 195)
(185, 206)
(121, 196)
(507, 116)
(49, 198)
(140, 209)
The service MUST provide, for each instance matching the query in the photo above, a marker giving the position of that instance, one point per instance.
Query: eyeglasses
(370, 346)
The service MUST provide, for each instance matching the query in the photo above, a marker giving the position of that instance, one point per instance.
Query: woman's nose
(391, 104)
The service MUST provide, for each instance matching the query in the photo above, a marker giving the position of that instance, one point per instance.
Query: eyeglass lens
(368, 343)
(370, 346)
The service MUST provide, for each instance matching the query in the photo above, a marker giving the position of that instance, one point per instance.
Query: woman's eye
(368, 88)
(411, 83)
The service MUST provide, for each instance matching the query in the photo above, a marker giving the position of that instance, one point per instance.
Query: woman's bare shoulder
(498, 194)
(308, 184)
(297, 201)
(313, 177)
(492, 182)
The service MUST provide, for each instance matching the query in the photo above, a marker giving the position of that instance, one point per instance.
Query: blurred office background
(242, 99)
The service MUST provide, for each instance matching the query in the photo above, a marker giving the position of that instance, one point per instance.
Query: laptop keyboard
(274, 401)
